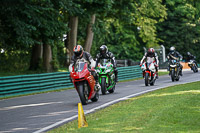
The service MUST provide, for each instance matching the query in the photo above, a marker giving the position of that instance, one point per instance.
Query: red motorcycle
(84, 82)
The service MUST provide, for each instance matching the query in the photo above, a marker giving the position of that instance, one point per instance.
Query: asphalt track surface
(43, 112)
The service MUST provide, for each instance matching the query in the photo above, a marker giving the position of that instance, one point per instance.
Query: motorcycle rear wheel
(83, 93)
(103, 85)
(146, 79)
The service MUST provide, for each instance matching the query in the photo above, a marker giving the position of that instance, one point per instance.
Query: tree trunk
(71, 37)
(47, 57)
(36, 56)
(90, 34)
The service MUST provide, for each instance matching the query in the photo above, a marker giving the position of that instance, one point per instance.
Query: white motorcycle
(149, 73)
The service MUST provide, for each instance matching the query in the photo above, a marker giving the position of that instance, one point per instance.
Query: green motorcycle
(106, 76)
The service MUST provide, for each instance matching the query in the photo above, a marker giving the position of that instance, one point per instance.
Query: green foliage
(128, 27)
(28, 22)
(181, 28)
(125, 26)
(14, 60)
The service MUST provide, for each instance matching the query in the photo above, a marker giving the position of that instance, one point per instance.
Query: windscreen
(79, 66)
(104, 62)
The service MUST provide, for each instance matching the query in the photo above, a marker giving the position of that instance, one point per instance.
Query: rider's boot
(116, 78)
(116, 75)
(157, 75)
(97, 86)
(181, 73)
(168, 70)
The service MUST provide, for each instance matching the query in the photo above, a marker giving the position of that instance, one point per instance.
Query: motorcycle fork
(149, 74)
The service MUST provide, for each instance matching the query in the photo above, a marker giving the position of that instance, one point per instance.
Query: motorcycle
(174, 70)
(149, 73)
(106, 76)
(193, 66)
(84, 82)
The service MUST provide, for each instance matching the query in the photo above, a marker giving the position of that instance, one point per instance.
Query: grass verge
(172, 109)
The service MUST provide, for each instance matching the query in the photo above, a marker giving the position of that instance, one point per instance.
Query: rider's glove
(140, 65)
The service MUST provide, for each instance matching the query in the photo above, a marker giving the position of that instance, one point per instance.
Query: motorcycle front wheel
(103, 85)
(172, 75)
(194, 69)
(83, 93)
(147, 79)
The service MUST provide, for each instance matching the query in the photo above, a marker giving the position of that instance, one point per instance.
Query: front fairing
(148, 67)
(191, 63)
(80, 72)
(104, 69)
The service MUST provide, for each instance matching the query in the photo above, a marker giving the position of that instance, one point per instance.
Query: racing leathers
(109, 55)
(175, 56)
(151, 57)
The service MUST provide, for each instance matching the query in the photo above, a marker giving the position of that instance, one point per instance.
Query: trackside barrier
(33, 83)
(130, 72)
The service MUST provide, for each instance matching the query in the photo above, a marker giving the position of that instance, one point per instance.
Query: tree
(30, 23)
(180, 29)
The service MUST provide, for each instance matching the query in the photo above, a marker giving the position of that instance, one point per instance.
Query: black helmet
(103, 50)
(78, 51)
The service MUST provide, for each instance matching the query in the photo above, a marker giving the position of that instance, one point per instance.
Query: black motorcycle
(193, 66)
(174, 69)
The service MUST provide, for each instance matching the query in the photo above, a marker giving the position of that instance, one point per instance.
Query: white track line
(100, 107)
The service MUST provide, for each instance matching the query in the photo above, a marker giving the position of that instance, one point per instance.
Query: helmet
(150, 51)
(103, 50)
(78, 51)
(188, 53)
(172, 49)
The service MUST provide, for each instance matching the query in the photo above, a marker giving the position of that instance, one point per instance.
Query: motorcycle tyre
(81, 90)
(95, 98)
(146, 79)
(194, 69)
(172, 75)
(103, 85)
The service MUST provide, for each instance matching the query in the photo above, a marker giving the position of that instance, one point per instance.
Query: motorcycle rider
(191, 57)
(151, 56)
(105, 54)
(173, 54)
(79, 53)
